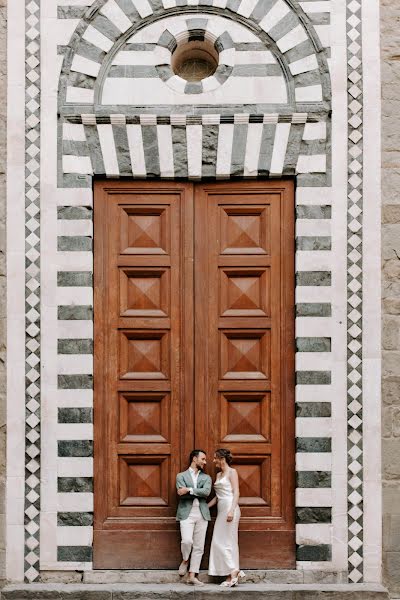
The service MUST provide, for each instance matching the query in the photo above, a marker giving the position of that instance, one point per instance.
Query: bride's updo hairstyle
(226, 454)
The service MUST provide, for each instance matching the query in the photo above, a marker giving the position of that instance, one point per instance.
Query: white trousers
(193, 535)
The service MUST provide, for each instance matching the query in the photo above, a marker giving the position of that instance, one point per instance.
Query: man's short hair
(194, 453)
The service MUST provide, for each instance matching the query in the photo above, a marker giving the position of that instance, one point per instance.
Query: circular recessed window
(195, 60)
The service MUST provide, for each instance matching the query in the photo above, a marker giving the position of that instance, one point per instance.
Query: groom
(193, 487)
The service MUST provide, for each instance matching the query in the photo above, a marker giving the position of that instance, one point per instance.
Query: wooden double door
(194, 348)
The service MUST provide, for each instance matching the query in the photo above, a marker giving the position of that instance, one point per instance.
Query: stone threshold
(108, 576)
(246, 591)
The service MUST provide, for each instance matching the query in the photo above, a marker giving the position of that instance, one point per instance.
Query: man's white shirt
(195, 475)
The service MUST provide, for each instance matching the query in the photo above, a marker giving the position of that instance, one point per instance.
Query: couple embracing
(193, 487)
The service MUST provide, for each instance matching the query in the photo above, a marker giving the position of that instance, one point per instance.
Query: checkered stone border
(355, 292)
(32, 290)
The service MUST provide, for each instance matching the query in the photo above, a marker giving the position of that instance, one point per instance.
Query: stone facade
(390, 22)
(50, 383)
(3, 105)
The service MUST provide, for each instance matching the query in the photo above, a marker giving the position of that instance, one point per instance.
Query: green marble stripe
(269, 70)
(238, 149)
(143, 47)
(75, 279)
(313, 309)
(284, 26)
(266, 148)
(313, 479)
(133, 71)
(74, 553)
(150, 149)
(313, 344)
(74, 519)
(122, 146)
(75, 415)
(313, 409)
(75, 346)
(75, 448)
(313, 444)
(313, 514)
(75, 382)
(128, 7)
(74, 148)
(209, 150)
(179, 148)
(75, 484)
(313, 278)
(74, 243)
(71, 12)
(322, 552)
(313, 243)
(322, 18)
(74, 212)
(313, 212)
(261, 9)
(250, 46)
(74, 180)
(313, 377)
(75, 313)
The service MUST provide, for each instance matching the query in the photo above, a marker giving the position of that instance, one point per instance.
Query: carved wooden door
(193, 347)
(244, 384)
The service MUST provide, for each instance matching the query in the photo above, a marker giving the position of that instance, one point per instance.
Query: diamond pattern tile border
(354, 292)
(32, 290)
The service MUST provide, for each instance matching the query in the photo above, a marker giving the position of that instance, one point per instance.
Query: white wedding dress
(224, 552)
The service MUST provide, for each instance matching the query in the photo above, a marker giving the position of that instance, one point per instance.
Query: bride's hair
(226, 454)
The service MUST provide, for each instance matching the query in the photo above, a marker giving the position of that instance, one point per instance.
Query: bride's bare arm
(212, 502)
(234, 479)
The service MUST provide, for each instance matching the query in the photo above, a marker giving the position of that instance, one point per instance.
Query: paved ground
(178, 591)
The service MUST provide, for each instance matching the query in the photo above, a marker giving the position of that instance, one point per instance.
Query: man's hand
(182, 491)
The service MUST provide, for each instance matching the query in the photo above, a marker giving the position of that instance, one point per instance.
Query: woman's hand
(229, 516)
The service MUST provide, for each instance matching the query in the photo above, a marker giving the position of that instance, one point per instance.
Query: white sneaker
(183, 567)
(194, 581)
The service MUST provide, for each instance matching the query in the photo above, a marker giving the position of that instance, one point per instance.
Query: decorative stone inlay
(355, 291)
(32, 290)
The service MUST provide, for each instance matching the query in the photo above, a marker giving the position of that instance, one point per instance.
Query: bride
(224, 553)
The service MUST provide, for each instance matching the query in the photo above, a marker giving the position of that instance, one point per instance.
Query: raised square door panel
(145, 229)
(144, 292)
(254, 480)
(244, 229)
(245, 417)
(144, 480)
(144, 417)
(245, 354)
(144, 354)
(245, 292)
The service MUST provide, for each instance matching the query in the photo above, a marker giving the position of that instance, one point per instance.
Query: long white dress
(224, 552)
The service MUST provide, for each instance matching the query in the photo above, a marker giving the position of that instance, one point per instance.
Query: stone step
(171, 576)
(245, 591)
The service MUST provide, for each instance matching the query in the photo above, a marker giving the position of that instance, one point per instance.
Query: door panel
(143, 354)
(244, 364)
(193, 347)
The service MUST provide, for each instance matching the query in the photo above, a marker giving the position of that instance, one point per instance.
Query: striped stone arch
(265, 112)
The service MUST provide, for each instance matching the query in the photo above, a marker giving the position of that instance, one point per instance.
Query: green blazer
(202, 491)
